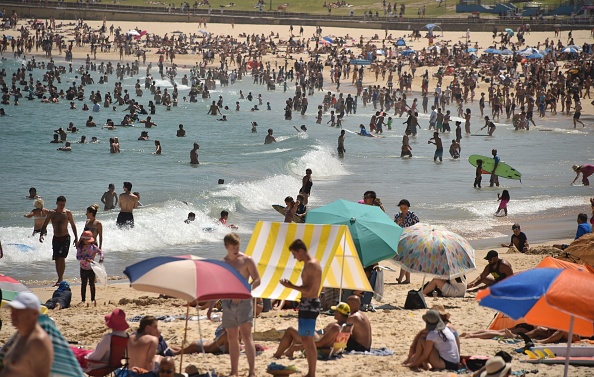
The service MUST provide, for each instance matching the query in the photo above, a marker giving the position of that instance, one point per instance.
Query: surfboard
(583, 361)
(503, 169)
(20, 246)
(281, 209)
(574, 351)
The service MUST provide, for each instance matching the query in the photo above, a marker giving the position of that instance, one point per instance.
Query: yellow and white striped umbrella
(332, 246)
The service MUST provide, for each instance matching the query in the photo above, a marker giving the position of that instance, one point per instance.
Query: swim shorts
(438, 154)
(60, 246)
(309, 309)
(352, 345)
(236, 313)
(125, 219)
(577, 115)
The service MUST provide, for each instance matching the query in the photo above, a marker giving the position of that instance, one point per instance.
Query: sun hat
(342, 308)
(87, 235)
(25, 300)
(576, 167)
(496, 367)
(116, 320)
(442, 311)
(433, 321)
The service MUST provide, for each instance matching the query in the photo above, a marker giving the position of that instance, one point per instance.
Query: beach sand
(393, 328)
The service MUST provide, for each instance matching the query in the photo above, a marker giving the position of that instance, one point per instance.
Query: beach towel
(374, 352)
(378, 288)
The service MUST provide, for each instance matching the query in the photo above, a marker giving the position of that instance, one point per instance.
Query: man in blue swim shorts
(309, 308)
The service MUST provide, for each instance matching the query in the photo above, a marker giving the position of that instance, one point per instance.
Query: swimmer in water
(38, 214)
(223, 220)
(455, 149)
(191, 217)
(269, 138)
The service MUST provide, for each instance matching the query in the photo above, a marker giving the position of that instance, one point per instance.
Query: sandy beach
(393, 327)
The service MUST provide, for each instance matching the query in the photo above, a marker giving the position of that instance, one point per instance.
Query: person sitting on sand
(524, 331)
(99, 358)
(361, 335)
(439, 349)
(61, 297)
(455, 287)
(498, 268)
(518, 239)
(422, 335)
(220, 344)
(142, 346)
(583, 228)
(291, 341)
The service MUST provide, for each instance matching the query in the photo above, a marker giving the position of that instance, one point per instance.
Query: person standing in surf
(94, 226)
(340, 148)
(494, 180)
(39, 214)
(585, 170)
(503, 200)
(306, 184)
(467, 121)
(60, 218)
(194, 155)
(128, 202)
(438, 147)
(109, 197)
(489, 125)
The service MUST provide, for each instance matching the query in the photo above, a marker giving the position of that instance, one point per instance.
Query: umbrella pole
(342, 267)
(569, 339)
(200, 330)
(181, 359)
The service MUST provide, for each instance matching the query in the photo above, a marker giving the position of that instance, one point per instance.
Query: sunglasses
(167, 371)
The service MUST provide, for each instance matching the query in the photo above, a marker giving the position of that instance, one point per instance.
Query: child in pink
(503, 200)
(85, 253)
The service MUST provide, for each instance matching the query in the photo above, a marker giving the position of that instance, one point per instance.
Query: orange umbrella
(559, 263)
(561, 299)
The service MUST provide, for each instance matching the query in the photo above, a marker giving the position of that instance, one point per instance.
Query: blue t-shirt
(583, 228)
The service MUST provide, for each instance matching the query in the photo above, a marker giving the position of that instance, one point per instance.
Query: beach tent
(501, 321)
(332, 246)
(431, 27)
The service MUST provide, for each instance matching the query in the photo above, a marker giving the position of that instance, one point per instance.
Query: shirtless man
(148, 123)
(214, 109)
(109, 197)
(32, 353)
(360, 339)
(238, 314)
(60, 217)
(194, 154)
(340, 148)
(39, 215)
(142, 346)
(306, 183)
(455, 149)
(438, 146)
(128, 202)
(310, 306)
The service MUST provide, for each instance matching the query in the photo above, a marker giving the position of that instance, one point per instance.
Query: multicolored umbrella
(189, 278)
(11, 287)
(561, 299)
(435, 251)
(374, 233)
(65, 363)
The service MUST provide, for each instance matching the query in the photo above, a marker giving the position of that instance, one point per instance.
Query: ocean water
(258, 175)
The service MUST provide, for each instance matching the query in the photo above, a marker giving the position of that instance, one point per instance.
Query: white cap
(25, 300)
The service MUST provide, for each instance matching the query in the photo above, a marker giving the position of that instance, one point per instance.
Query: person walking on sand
(239, 314)
(60, 218)
(86, 251)
(94, 225)
(310, 306)
(128, 202)
(109, 198)
(38, 214)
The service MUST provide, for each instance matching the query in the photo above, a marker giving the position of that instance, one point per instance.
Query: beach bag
(100, 273)
(378, 288)
(415, 300)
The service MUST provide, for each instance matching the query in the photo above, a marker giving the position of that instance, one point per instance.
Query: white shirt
(101, 353)
(448, 349)
(433, 117)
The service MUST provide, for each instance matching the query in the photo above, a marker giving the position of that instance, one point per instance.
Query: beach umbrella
(65, 363)
(407, 52)
(435, 47)
(374, 233)
(536, 55)
(492, 51)
(133, 32)
(328, 39)
(380, 52)
(203, 32)
(509, 32)
(570, 50)
(507, 52)
(528, 51)
(582, 250)
(11, 287)
(400, 42)
(142, 34)
(435, 251)
(575, 46)
(190, 278)
(471, 49)
(561, 299)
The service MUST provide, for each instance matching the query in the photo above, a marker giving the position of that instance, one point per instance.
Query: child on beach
(86, 250)
(503, 200)
(479, 174)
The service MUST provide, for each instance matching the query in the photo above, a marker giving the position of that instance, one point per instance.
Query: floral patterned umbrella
(435, 251)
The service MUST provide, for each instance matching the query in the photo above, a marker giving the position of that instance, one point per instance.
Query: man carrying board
(310, 306)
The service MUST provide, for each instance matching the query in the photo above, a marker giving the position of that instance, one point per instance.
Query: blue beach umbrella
(329, 40)
(507, 52)
(570, 50)
(400, 42)
(407, 52)
(536, 55)
(471, 49)
(492, 51)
